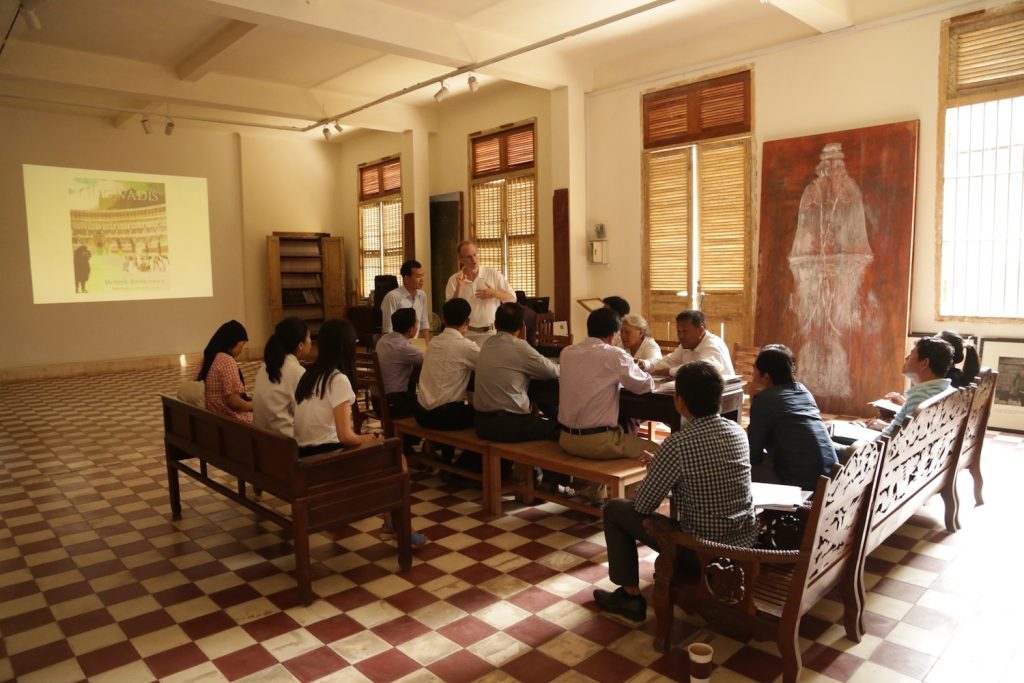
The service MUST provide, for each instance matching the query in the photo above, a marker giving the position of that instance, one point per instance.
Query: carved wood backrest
(977, 420)
(834, 546)
(545, 324)
(919, 454)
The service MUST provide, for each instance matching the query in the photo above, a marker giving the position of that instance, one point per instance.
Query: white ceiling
(294, 62)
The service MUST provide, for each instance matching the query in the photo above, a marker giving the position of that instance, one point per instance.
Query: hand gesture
(486, 292)
(646, 458)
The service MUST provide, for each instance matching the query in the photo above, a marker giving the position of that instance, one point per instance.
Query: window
(504, 203)
(380, 221)
(696, 185)
(981, 231)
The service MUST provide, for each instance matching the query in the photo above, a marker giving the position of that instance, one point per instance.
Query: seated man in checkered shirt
(706, 466)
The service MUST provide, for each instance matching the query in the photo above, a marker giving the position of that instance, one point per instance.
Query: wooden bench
(324, 490)
(616, 474)
(977, 425)
(920, 461)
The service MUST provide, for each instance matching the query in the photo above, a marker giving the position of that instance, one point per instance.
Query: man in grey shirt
(399, 359)
(504, 368)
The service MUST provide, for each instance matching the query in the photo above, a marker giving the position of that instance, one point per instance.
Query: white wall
(287, 186)
(53, 334)
(351, 151)
(839, 81)
(487, 109)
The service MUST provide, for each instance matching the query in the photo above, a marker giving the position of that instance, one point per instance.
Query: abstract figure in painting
(828, 260)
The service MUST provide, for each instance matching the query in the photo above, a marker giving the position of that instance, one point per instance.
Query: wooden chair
(545, 324)
(667, 346)
(765, 592)
(743, 358)
(383, 408)
(977, 424)
(363, 407)
(549, 343)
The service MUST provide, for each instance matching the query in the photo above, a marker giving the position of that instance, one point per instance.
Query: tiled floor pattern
(97, 583)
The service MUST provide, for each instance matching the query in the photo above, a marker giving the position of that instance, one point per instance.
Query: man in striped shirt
(706, 466)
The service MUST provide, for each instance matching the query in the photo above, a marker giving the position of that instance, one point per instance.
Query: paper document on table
(775, 495)
(886, 406)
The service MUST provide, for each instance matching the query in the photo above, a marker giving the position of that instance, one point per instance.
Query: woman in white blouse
(324, 395)
(277, 378)
(636, 339)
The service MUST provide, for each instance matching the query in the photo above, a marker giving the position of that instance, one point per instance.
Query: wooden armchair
(764, 593)
(387, 425)
(977, 424)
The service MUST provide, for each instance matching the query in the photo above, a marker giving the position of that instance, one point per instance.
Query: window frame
(383, 196)
(953, 95)
(505, 172)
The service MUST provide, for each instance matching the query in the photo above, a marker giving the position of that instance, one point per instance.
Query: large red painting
(834, 262)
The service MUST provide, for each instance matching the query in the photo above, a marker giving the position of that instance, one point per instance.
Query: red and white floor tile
(97, 583)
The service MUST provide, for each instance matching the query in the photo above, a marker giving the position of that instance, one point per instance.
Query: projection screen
(115, 236)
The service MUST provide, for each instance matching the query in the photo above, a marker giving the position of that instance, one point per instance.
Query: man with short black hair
(447, 365)
(504, 368)
(592, 374)
(706, 466)
(789, 443)
(399, 360)
(409, 295)
(925, 366)
(695, 343)
(617, 304)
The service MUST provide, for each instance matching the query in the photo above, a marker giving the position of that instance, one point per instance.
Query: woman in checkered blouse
(223, 384)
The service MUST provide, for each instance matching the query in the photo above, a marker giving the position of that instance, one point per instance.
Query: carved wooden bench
(921, 460)
(324, 490)
(977, 425)
(764, 593)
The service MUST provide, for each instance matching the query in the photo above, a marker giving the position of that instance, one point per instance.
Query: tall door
(446, 231)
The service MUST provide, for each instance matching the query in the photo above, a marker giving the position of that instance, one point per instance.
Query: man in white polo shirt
(484, 288)
(695, 343)
(447, 365)
(409, 295)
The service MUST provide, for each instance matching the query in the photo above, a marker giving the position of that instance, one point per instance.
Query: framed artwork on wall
(1006, 356)
(834, 258)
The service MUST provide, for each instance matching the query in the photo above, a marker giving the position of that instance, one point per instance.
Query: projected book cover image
(119, 239)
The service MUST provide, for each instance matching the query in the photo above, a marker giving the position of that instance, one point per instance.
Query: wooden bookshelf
(307, 277)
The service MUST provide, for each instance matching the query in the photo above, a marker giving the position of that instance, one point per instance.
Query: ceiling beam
(374, 25)
(821, 15)
(200, 62)
(35, 66)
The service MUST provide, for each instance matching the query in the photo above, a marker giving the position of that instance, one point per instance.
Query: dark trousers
(403, 404)
(448, 418)
(506, 427)
(623, 527)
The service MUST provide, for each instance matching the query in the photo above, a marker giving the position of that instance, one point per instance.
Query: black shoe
(622, 603)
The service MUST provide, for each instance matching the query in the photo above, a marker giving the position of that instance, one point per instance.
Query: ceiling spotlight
(337, 127)
(327, 133)
(31, 18)
(145, 124)
(473, 83)
(169, 128)
(442, 93)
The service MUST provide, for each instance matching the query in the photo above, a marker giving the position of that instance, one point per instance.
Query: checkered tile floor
(97, 582)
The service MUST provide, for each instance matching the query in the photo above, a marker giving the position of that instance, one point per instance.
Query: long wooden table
(661, 408)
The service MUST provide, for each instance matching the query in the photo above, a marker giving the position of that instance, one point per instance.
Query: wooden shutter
(380, 179)
(391, 230)
(502, 152)
(521, 210)
(724, 216)
(369, 246)
(698, 111)
(668, 224)
(487, 232)
(986, 54)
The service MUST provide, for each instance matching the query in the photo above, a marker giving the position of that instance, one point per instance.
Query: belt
(587, 431)
(481, 329)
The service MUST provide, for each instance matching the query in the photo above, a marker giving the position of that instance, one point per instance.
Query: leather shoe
(622, 603)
